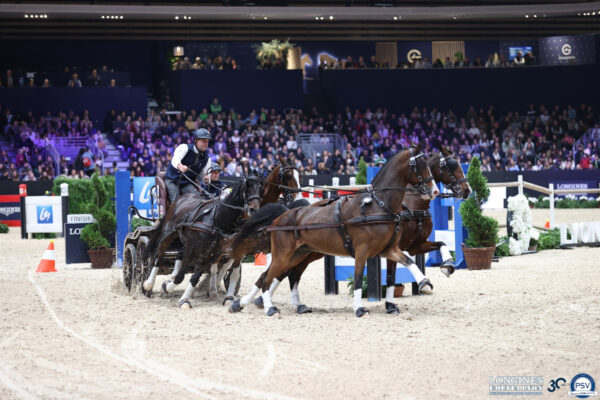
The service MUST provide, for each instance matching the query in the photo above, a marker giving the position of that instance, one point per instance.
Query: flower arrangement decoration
(521, 225)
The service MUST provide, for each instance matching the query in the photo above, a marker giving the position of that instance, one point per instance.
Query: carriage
(282, 180)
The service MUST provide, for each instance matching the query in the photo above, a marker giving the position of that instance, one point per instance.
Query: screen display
(513, 50)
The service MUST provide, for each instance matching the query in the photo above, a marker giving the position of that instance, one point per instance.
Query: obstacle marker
(260, 259)
(48, 260)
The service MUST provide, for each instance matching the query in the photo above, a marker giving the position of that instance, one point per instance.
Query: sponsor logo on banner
(413, 55)
(141, 197)
(44, 214)
(516, 385)
(9, 211)
(570, 185)
(583, 386)
(566, 49)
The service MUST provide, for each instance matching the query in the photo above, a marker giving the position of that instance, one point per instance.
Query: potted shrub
(482, 230)
(99, 235)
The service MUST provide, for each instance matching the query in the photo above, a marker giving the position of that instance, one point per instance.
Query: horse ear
(417, 147)
(281, 159)
(446, 151)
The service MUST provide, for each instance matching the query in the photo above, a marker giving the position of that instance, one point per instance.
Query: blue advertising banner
(579, 49)
(576, 184)
(141, 196)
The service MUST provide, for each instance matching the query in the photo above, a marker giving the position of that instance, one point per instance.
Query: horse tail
(260, 219)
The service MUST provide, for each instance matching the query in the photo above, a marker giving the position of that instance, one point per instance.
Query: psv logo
(44, 214)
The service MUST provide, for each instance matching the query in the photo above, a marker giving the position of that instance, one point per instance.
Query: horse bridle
(422, 187)
(449, 165)
(244, 187)
(288, 195)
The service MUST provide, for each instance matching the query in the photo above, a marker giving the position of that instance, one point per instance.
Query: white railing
(550, 191)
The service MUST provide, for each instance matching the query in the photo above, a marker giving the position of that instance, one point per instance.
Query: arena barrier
(550, 191)
(43, 214)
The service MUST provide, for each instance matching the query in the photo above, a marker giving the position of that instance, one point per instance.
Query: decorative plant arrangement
(273, 54)
(523, 231)
(483, 231)
(361, 175)
(569, 201)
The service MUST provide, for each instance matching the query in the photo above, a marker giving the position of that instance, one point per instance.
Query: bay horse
(283, 181)
(444, 168)
(363, 226)
(196, 226)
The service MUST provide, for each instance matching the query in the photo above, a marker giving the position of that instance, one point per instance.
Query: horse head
(283, 179)
(419, 176)
(251, 191)
(447, 170)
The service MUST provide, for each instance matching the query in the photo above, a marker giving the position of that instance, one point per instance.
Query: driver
(190, 160)
(214, 186)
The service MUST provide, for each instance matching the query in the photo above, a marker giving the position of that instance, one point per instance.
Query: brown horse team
(389, 217)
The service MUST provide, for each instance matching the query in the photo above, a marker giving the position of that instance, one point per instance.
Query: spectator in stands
(94, 79)
(529, 59)
(167, 104)
(215, 106)
(519, 60)
(46, 83)
(113, 83)
(361, 62)
(350, 63)
(198, 64)
(8, 80)
(373, 63)
(74, 82)
(185, 64)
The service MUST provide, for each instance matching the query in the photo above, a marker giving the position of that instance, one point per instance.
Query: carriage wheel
(129, 258)
(141, 270)
(226, 281)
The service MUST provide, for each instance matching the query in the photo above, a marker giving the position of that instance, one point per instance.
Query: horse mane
(385, 167)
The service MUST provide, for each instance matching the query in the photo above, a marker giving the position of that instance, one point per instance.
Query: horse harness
(389, 217)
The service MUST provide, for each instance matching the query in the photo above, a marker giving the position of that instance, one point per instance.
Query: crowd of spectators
(27, 138)
(69, 77)
(217, 63)
(538, 138)
(493, 61)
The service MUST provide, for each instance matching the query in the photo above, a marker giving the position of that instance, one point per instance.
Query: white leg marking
(176, 269)
(212, 286)
(357, 302)
(389, 294)
(274, 286)
(267, 301)
(445, 252)
(416, 272)
(149, 283)
(233, 278)
(171, 287)
(188, 292)
(295, 296)
(249, 297)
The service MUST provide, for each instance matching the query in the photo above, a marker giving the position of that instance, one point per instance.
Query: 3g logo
(555, 384)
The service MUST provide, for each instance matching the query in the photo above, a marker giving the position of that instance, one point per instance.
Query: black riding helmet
(201, 133)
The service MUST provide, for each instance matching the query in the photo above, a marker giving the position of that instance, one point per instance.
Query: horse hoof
(362, 311)
(235, 307)
(213, 296)
(164, 287)
(391, 308)
(226, 299)
(185, 304)
(258, 302)
(272, 311)
(447, 268)
(303, 309)
(424, 284)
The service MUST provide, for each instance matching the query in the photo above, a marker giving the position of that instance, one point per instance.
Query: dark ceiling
(329, 20)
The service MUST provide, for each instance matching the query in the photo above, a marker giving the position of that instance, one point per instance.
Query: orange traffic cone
(48, 260)
(260, 259)
(547, 224)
